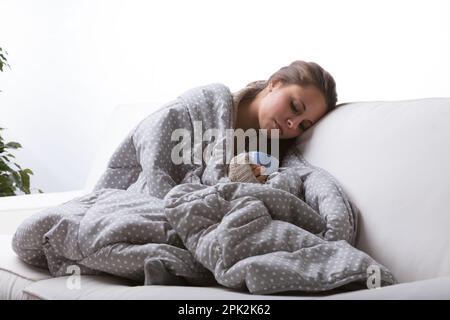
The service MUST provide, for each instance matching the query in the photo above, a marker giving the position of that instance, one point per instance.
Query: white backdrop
(72, 61)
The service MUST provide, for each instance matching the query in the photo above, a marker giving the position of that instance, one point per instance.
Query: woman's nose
(291, 123)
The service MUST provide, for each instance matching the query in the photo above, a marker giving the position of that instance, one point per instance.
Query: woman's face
(291, 108)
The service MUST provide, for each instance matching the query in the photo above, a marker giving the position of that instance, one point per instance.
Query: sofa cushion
(393, 160)
(15, 275)
(431, 289)
(114, 288)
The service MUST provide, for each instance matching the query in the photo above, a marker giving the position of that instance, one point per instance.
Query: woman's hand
(256, 169)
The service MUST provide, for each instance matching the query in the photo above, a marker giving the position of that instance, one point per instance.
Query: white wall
(74, 60)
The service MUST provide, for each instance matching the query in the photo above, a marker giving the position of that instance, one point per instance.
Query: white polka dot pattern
(266, 240)
(155, 222)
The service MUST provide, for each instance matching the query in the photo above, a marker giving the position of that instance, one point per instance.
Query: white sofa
(393, 160)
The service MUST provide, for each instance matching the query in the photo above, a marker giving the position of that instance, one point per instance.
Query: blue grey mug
(270, 164)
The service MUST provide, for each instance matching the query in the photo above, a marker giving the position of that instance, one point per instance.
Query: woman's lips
(277, 126)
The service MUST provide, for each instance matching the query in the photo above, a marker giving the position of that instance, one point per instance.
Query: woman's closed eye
(294, 108)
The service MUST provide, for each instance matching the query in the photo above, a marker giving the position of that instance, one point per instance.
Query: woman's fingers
(256, 170)
(257, 173)
(261, 179)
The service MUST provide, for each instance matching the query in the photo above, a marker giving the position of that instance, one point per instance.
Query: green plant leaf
(25, 175)
(7, 157)
(17, 180)
(3, 60)
(12, 177)
(6, 189)
(4, 167)
(13, 145)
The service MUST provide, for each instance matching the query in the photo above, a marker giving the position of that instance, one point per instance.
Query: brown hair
(306, 73)
(300, 73)
(303, 74)
(309, 73)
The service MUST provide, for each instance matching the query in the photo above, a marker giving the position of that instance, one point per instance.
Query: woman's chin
(274, 134)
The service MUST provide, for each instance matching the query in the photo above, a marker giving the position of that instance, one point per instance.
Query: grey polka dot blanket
(155, 221)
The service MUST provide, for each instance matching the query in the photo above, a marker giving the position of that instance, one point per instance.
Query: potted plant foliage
(13, 179)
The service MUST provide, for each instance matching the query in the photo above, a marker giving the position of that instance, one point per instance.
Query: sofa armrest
(13, 210)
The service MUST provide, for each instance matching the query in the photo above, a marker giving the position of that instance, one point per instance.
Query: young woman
(292, 100)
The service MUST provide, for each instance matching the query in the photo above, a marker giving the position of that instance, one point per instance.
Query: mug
(269, 164)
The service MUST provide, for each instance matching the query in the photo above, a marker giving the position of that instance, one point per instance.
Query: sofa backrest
(121, 121)
(393, 160)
